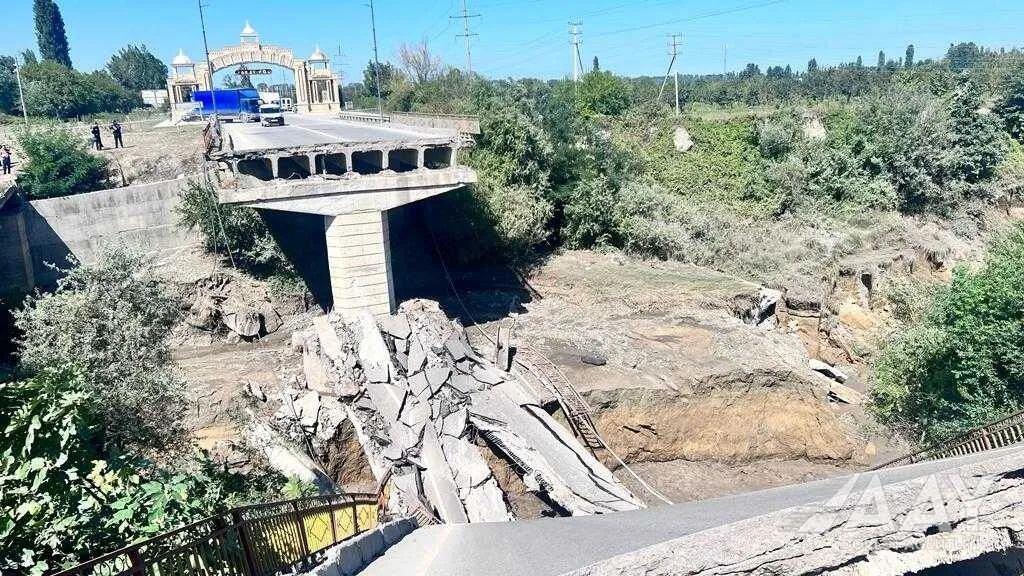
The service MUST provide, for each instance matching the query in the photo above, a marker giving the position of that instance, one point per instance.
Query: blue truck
(238, 104)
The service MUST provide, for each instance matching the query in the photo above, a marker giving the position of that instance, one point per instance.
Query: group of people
(115, 129)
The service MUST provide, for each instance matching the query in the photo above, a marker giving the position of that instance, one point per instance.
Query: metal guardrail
(1001, 433)
(257, 540)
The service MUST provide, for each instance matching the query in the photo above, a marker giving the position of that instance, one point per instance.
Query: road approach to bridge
(555, 546)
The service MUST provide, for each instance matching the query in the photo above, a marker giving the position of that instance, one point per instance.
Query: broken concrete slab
(828, 370)
(397, 326)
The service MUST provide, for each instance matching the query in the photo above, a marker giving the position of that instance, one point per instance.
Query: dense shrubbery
(231, 230)
(65, 496)
(94, 389)
(59, 164)
(110, 322)
(963, 365)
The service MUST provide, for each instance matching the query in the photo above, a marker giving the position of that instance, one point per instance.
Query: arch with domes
(316, 86)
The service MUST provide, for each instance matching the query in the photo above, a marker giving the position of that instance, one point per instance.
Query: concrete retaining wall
(34, 234)
(352, 556)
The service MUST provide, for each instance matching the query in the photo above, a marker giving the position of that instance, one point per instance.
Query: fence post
(334, 526)
(243, 538)
(301, 525)
(138, 567)
(355, 518)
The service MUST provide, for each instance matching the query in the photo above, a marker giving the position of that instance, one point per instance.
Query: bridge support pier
(359, 261)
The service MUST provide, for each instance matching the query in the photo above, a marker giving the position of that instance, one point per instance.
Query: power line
(575, 39)
(673, 47)
(467, 35)
(209, 66)
(376, 61)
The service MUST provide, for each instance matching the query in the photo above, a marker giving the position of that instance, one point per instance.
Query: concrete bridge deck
(306, 130)
(555, 546)
(351, 174)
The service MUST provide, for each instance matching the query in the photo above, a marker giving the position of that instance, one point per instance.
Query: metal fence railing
(257, 540)
(999, 434)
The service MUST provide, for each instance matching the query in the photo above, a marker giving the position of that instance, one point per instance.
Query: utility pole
(674, 53)
(209, 66)
(21, 92)
(575, 39)
(376, 62)
(725, 59)
(466, 34)
(341, 85)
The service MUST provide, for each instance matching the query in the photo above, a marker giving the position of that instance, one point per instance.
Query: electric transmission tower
(575, 39)
(673, 51)
(466, 34)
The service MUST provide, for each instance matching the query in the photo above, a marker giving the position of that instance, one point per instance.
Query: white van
(270, 114)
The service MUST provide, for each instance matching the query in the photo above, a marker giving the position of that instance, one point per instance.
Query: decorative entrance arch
(316, 87)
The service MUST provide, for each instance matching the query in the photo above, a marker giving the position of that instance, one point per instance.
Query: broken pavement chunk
(457, 348)
(464, 384)
(828, 370)
(438, 375)
(397, 326)
(488, 375)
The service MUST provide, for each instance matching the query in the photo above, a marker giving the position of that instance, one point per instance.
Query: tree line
(54, 89)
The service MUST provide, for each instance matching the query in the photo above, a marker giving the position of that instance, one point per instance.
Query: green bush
(1011, 106)
(232, 230)
(59, 164)
(776, 136)
(65, 498)
(964, 365)
(110, 321)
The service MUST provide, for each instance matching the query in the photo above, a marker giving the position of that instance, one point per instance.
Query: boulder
(682, 140)
(271, 319)
(243, 321)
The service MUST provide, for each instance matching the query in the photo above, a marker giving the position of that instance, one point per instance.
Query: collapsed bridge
(333, 188)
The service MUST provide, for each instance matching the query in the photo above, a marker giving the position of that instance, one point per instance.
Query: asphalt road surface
(307, 130)
(553, 546)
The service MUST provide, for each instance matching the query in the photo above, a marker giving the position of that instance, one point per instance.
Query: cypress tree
(881, 60)
(53, 42)
(909, 60)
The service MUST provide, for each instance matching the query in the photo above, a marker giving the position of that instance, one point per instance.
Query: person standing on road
(5, 159)
(97, 140)
(115, 127)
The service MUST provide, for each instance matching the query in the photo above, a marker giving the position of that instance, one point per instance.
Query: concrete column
(359, 259)
(348, 161)
(384, 159)
(455, 156)
(419, 157)
(312, 163)
(273, 165)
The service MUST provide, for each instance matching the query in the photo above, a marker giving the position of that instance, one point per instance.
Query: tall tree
(909, 60)
(136, 68)
(812, 66)
(860, 62)
(28, 57)
(597, 64)
(881, 60)
(419, 62)
(53, 41)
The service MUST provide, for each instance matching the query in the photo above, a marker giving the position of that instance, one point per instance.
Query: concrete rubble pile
(220, 303)
(420, 399)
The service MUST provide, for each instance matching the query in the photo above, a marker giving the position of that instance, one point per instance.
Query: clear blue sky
(530, 37)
